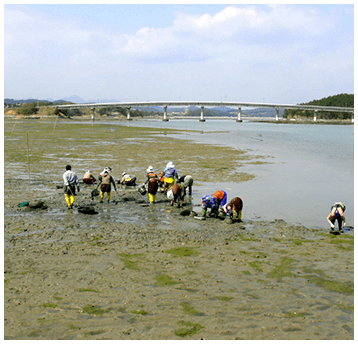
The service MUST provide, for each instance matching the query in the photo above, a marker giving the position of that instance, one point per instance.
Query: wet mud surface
(137, 270)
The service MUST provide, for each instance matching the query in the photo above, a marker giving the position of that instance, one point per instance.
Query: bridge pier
(129, 114)
(93, 109)
(352, 117)
(202, 114)
(277, 113)
(165, 119)
(239, 115)
(315, 115)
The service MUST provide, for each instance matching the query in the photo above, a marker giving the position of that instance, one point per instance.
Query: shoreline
(234, 119)
(141, 271)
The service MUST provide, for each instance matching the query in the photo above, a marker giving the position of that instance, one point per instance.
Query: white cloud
(240, 43)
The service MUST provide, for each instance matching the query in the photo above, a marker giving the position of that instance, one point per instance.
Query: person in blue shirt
(170, 174)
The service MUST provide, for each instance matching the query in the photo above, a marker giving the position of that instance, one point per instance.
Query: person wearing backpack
(337, 213)
(105, 181)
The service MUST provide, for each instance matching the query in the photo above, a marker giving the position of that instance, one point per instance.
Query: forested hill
(341, 100)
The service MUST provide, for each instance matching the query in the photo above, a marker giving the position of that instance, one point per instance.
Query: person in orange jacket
(221, 197)
(152, 181)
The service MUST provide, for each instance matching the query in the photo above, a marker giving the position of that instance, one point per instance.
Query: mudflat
(136, 270)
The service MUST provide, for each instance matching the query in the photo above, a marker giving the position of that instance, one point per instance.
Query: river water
(311, 167)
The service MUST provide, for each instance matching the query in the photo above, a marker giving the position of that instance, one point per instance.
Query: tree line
(339, 100)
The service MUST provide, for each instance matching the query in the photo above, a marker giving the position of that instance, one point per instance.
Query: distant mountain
(74, 99)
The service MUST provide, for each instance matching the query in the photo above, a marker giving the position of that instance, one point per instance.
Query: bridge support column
(93, 109)
(129, 113)
(277, 113)
(202, 115)
(315, 116)
(352, 117)
(165, 119)
(239, 115)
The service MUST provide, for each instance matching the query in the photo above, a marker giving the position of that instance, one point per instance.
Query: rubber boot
(151, 198)
(68, 201)
(72, 200)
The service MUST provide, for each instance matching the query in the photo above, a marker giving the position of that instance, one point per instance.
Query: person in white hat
(170, 174)
(152, 180)
(88, 178)
(105, 181)
(127, 179)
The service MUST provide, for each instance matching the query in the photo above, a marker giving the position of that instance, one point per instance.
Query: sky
(286, 54)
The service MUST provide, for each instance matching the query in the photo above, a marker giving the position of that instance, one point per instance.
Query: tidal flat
(141, 271)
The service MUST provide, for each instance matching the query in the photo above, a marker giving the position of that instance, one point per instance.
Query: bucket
(142, 190)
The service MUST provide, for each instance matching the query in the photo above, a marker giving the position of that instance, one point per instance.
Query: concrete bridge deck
(202, 104)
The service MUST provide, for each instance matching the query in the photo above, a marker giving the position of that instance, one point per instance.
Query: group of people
(175, 189)
(174, 186)
(71, 183)
(217, 202)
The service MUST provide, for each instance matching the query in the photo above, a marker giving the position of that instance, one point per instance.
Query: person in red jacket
(176, 195)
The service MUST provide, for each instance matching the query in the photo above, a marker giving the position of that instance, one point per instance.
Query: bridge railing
(202, 104)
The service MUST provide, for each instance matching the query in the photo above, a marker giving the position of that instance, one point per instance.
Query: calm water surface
(312, 166)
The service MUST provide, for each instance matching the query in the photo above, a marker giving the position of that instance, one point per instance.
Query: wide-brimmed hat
(170, 164)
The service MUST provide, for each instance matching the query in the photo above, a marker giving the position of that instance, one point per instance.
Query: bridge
(202, 104)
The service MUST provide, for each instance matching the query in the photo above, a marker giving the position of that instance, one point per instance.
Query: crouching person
(337, 213)
(209, 201)
(88, 178)
(234, 208)
(127, 179)
(186, 182)
(176, 195)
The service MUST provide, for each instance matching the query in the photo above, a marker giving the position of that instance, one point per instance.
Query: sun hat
(170, 164)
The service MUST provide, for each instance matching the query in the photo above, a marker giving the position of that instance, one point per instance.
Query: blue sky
(245, 53)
